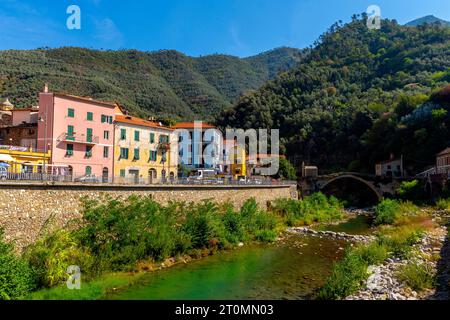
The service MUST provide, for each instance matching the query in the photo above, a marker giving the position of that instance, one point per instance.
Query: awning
(6, 157)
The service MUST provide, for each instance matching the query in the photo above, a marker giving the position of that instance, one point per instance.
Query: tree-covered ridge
(346, 105)
(428, 19)
(165, 83)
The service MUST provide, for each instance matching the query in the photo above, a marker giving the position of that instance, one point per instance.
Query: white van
(204, 174)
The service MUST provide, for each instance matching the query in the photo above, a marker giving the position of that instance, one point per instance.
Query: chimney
(46, 88)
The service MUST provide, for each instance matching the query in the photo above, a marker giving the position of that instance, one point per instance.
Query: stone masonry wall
(25, 208)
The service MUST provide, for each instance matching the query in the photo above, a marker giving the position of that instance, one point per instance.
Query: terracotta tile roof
(140, 122)
(86, 99)
(445, 151)
(190, 125)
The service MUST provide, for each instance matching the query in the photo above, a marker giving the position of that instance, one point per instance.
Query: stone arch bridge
(368, 186)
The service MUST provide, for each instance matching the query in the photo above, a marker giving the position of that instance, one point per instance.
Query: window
(106, 135)
(88, 170)
(136, 135)
(163, 139)
(69, 150)
(107, 119)
(136, 154)
(123, 153)
(105, 152)
(122, 173)
(164, 156)
(153, 155)
(90, 116)
(88, 152)
(152, 137)
(70, 133)
(123, 134)
(89, 135)
(71, 113)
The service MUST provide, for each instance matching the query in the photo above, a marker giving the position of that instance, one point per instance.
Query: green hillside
(428, 19)
(165, 83)
(359, 96)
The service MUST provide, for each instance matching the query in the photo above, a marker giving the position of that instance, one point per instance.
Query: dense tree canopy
(359, 96)
(164, 83)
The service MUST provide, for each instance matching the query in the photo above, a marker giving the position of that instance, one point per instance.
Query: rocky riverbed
(332, 234)
(383, 283)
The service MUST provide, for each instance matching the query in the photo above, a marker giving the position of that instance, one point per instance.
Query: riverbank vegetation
(317, 208)
(128, 235)
(401, 225)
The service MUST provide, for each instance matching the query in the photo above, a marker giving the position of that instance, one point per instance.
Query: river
(291, 269)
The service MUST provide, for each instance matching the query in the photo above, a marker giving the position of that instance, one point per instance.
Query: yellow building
(23, 159)
(235, 159)
(144, 151)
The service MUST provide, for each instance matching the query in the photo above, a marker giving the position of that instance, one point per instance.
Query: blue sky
(195, 27)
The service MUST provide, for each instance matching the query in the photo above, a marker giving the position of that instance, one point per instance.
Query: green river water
(292, 269)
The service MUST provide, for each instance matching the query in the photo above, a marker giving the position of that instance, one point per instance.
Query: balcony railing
(78, 138)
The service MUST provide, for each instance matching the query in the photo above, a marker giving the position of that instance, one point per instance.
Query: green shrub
(205, 226)
(120, 233)
(373, 253)
(411, 190)
(315, 208)
(49, 258)
(400, 243)
(443, 204)
(346, 277)
(417, 276)
(386, 212)
(16, 277)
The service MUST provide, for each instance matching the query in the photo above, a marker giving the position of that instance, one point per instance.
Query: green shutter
(69, 150)
(123, 153)
(106, 135)
(136, 135)
(104, 118)
(152, 138)
(90, 116)
(88, 151)
(122, 173)
(89, 135)
(136, 154)
(70, 131)
(123, 134)
(71, 113)
(88, 170)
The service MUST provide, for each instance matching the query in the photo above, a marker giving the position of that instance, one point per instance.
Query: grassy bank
(130, 235)
(400, 226)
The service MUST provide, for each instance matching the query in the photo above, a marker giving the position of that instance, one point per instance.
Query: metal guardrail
(93, 179)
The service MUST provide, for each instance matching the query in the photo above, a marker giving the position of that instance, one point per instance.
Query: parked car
(3, 173)
(88, 178)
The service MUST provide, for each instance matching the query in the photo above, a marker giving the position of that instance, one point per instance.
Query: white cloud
(107, 33)
(238, 47)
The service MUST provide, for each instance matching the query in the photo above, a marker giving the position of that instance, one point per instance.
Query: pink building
(79, 131)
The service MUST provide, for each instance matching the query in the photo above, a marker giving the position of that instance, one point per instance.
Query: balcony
(78, 138)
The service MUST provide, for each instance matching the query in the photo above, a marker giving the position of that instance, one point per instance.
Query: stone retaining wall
(25, 208)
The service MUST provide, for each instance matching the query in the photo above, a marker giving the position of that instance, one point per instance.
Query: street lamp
(44, 121)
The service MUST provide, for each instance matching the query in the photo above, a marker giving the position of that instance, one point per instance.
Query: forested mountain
(359, 96)
(165, 83)
(428, 19)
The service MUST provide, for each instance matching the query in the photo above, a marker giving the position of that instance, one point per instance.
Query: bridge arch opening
(356, 192)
